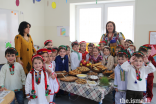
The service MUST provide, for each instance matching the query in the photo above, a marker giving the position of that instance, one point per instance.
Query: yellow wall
(33, 13)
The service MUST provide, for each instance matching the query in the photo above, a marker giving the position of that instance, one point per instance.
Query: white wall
(33, 13)
(145, 21)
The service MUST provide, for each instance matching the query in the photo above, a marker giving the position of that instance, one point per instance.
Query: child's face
(132, 48)
(126, 45)
(53, 56)
(83, 47)
(102, 45)
(75, 48)
(90, 49)
(138, 62)
(50, 45)
(11, 58)
(145, 53)
(45, 56)
(62, 52)
(121, 60)
(117, 50)
(95, 52)
(106, 51)
(37, 64)
(149, 52)
(68, 51)
(50, 57)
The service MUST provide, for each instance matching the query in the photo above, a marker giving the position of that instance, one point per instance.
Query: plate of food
(81, 81)
(69, 79)
(74, 72)
(93, 78)
(81, 76)
(61, 74)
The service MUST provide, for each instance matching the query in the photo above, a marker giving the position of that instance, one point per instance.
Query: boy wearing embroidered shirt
(12, 76)
(120, 80)
(136, 76)
(75, 56)
(62, 59)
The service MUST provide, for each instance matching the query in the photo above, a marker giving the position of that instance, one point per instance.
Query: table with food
(92, 81)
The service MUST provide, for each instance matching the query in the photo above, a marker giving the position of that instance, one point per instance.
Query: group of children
(131, 68)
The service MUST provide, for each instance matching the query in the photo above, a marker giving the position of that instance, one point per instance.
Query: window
(91, 20)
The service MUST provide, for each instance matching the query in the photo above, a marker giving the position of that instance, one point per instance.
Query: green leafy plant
(104, 81)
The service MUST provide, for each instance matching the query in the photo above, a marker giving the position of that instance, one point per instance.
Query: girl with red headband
(37, 83)
(48, 43)
(83, 49)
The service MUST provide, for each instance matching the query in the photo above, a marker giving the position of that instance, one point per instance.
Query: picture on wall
(63, 31)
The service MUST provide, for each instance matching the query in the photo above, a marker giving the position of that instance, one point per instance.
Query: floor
(81, 100)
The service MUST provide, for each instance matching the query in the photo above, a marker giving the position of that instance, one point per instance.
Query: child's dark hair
(96, 48)
(106, 48)
(42, 53)
(62, 48)
(118, 47)
(129, 41)
(90, 45)
(138, 55)
(38, 58)
(68, 47)
(10, 51)
(47, 43)
(124, 53)
(149, 48)
(55, 48)
(74, 43)
(143, 49)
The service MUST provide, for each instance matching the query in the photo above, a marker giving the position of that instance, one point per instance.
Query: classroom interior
(44, 21)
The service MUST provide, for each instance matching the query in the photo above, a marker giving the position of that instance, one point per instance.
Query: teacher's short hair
(113, 26)
(22, 26)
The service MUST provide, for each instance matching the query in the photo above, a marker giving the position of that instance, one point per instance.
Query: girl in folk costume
(56, 50)
(102, 44)
(120, 80)
(127, 43)
(90, 50)
(108, 59)
(118, 48)
(48, 44)
(96, 57)
(53, 82)
(83, 49)
(69, 61)
(37, 83)
(131, 49)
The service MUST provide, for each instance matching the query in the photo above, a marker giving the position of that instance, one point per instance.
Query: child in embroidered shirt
(68, 54)
(118, 48)
(62, 59)
(136, 75)
(75, 56)
(108, 60)
(12, 75)
(96, 58)
(56, 50)
(37, 83)
(120, 80)
(48, 43)
(131, 49)
(102, 44)
(53, 82)
(90, 50)
(83, 49)
(127, 42)
(151, 75)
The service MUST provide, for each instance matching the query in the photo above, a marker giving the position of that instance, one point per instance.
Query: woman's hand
(2, 89)
(18, 59)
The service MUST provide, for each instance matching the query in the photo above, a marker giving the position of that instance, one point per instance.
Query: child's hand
(2, 89)
(53, 77)
(132, 59)
(115, 65)
(55, 74)
(146, 59)
(29, 99)
(116, 89)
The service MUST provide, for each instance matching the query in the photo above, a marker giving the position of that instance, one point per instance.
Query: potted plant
(104, 82)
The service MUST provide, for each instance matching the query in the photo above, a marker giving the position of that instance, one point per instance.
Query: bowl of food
(81, 76)
(93, 78)
(61, 74)
(91, 83)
